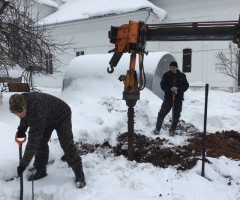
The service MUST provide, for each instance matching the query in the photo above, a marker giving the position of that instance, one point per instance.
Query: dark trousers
(165, 109)
(64, 132)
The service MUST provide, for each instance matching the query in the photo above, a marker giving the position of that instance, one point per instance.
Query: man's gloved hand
(20, 170)
(174, 89)
(21, 134)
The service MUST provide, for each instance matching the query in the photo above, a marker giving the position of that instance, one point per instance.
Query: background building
(196, 58)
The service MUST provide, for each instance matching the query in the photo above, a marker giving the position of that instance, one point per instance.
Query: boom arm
(196, 31)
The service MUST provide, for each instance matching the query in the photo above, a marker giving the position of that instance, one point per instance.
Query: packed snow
(99, 114)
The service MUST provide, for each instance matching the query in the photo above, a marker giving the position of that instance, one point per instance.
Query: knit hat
(174, 63)
(17, 103)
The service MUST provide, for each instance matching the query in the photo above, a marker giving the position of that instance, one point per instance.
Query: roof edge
(147, 9)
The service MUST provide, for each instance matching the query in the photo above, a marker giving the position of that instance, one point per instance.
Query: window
(49, 63)
(187, 60)
(79, 53)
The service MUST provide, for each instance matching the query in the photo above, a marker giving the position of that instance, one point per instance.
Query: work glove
(21, 134)
(174, 89)
(20, 170)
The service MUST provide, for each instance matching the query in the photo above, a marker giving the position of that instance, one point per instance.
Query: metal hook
(110, 71)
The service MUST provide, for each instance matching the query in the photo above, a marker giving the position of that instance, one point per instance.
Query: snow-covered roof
(83, 9)
(47, 2)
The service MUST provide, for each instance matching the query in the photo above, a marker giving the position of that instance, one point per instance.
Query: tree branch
(227, 63)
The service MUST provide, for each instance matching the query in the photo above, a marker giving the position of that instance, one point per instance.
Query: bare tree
(228, 63)
(24, 42)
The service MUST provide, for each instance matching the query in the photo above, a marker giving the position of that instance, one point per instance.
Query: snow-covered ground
(98, 115)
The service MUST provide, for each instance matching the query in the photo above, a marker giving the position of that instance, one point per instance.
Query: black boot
(80, 179)
(158, 126)
(40, 173)
(172, 130)
(156, 131)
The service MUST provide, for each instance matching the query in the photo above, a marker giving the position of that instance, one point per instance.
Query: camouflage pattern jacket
(43, 111)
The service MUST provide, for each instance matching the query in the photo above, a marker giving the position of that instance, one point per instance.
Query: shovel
(173, 99)
(20, 142)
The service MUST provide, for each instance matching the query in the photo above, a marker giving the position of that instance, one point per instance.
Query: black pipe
(21, 177)
(204, 129)
(130, 132)
(173, 110)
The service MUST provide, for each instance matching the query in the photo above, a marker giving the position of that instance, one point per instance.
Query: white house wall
(203, 69)
(90, 36)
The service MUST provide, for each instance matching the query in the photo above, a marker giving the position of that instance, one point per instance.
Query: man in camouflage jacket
(173, 82)
(43, 113)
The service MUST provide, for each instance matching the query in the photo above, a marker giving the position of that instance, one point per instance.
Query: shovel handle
(20, 142)
(173, 96)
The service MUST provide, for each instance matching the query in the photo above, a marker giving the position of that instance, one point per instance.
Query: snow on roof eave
(47, 3)
(104, 16)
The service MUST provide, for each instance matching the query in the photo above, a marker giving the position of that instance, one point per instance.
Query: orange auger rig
(132, 38)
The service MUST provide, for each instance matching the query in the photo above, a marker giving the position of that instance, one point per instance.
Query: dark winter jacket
(168, 81)
(43, 111)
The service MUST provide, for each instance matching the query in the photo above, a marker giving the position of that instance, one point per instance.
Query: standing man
(175, 82)
(42, 113)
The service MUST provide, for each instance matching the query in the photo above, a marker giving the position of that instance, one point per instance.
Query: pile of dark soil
(160, 152)
(183, 157)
